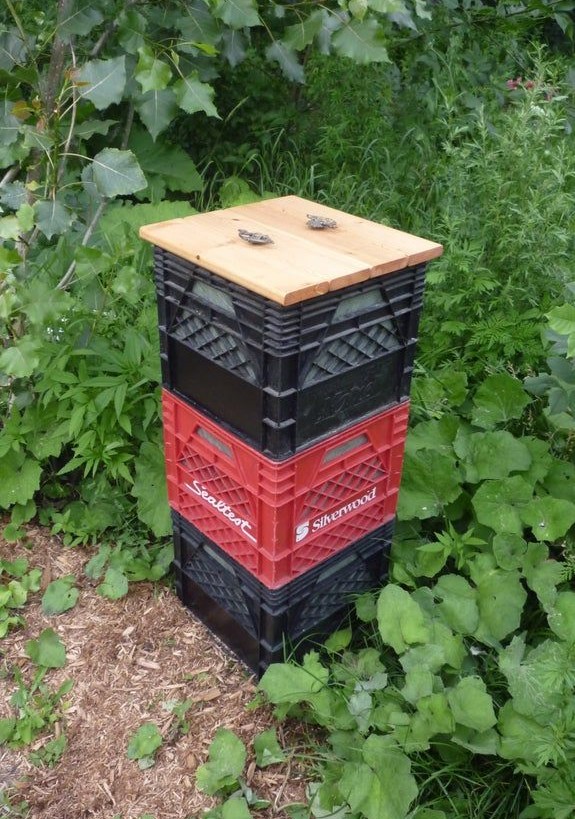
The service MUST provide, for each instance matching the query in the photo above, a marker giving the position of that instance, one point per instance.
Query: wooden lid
(301, 263)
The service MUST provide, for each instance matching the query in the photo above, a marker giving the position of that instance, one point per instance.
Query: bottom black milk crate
(262, 625)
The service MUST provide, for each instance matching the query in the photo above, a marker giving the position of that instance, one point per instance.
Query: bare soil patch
(127, 658)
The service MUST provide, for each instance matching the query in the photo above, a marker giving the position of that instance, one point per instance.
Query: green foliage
(227, 757)
(14, 591)
(465, 670)
(89, 97)
(60, 595)
(144, 743)
(558, 385)
(36, 709)
(222, 774)
(438, 146)
(50, 753)
(267, 749)
(47, 650)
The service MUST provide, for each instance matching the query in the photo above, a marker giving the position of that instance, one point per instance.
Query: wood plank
(379, 245)
(301, 263)
(288, 271)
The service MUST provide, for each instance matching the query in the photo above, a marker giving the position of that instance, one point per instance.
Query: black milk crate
(262, 625)
(285, 376)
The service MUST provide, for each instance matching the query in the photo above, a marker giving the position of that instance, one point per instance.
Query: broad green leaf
(360, 705)
(82, 19)
(562, 321)
(103, 82)
(10, 125)
(10, 228)
(362, 41)
(114, 585)
(499, 399)
(536, 690)
(234, 47)
(418, 684)
(7, 728)
(549, 518)
(16, 568)
(560, 480)
(43, 302)
(400, 619)
(393, 770)
(192, 95)
(117, 173)
(339, 640)
(60, 595)
(151, 491)
(131, 29)
(499, 504)
(471, 705)
(157, 109)
(227, 757)
(21, 359)
(87, 129)
(478, 742)
(25, 217)
(501, 598)
(94, 568)
(543, 578)
(13, 49)
(541, 459)
(199, 25)
(236, 807)
(172, 163)
(457, 603)
(561, 618)
(521, 736)
(52, 218)
(509, 549)
(145, 741)
(438, 434)
(13, 194)
(152, 74)
(19, 478)
(366, 607)
(267, 748)
(288, 61)
(491, 455)
(47, 651)
(428, 657)
(122, 215)
(286, 683)
(237, 13)
(434, 712)
(430, 482)
(302, 34)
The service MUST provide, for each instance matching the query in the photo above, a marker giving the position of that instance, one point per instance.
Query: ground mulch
(127, 658)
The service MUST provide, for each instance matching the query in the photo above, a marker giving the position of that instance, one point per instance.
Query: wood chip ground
(127, 658)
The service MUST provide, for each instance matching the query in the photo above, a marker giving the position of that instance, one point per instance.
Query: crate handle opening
(347, 446)
(215, 442)
(214, 297)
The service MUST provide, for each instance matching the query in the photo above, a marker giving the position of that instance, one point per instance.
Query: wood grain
(301, 263)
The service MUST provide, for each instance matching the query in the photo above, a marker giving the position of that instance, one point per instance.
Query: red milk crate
(279, 519)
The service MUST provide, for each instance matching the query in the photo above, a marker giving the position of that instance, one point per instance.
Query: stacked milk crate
(287, 339)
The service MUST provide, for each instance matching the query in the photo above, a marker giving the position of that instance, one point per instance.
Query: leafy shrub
(456, 698)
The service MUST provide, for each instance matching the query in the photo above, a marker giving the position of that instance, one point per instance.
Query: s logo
(301, 531)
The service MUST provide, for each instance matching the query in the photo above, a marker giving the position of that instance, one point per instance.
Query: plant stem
(69, 274)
